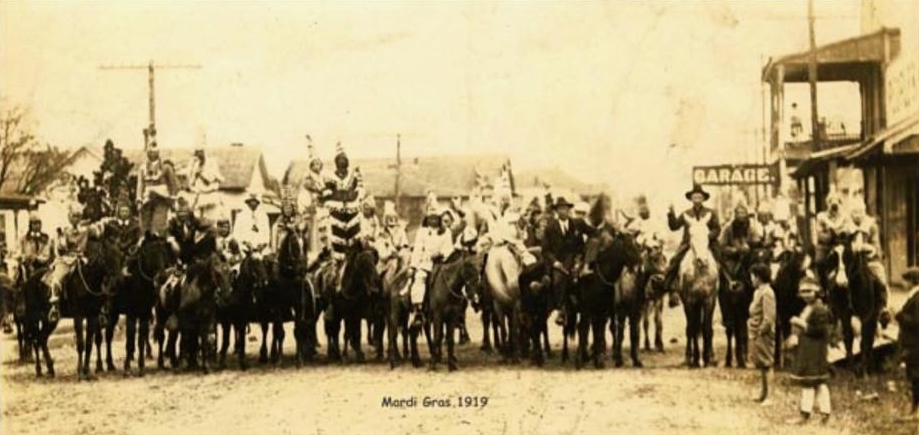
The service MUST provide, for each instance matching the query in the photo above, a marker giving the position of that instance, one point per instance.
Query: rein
(85, 284)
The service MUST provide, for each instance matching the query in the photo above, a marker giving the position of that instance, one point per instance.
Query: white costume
(252, 227)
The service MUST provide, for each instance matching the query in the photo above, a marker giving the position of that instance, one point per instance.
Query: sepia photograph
(459, 217)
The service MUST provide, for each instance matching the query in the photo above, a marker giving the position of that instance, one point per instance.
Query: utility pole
(812, 77)
(150, 131)
(398, 187)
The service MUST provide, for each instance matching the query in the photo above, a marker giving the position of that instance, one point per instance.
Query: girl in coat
(761, 325)
(811, 370)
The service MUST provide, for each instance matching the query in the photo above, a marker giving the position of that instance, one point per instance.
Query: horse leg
(600, 341)
(729, 353)
(635, 337)
(848, 338)
(45, 334)
(707, 313)
(79, 338)
(159, 337)
(277, 348)
(130, 335)
(742, 339)
(263, 352)
(143, 343)
(109, 330)
(224, 344)
(580, 356)
(451, 344)
(172, 338)
(869, 329)
(379, 331)
(486, 331)
(617, 327)
(392, 338)
(646, 324)
(414, 331)
(437, 348)
(34, 331)
(659, 325)
(95, 332)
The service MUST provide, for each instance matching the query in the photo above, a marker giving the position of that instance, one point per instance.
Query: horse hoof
(637, 364)
(141, 373)
(417, 363)
(619, 363)
(451, 366)
(110, 366)
(486, 348)
(99, 369)
(728, 364)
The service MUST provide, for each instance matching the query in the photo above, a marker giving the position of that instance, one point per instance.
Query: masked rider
(370, 222)
(228, 249)
(392, 240)
(866, 233)
(251, 228)
(69, 248)
(830, 226)
(695, 215)
(288, 222)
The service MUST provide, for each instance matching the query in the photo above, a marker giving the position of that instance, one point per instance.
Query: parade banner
(735, 175)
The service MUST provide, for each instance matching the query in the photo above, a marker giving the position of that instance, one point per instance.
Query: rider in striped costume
(344, 205)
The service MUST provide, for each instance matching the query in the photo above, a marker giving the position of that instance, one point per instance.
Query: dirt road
(340, 399)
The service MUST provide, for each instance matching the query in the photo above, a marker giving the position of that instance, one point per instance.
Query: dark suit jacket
(124, 237)
(557, 246)
(679, 221)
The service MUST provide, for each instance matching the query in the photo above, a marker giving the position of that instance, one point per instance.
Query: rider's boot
(54, 313)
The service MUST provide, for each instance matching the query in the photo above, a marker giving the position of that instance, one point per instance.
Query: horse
(445, 299)
(502, 273)
(538, 300)
(235, 310)
(735, 297)
(630, 294)
(396, 276)
(790, 267)
(15, 304)
(197, 308)
(135, 296)
(854, 292)
(595, 293)
(88, 300)
(698, 284)
(655, 267)
(289, 296)
(360, 281)
(38, 328)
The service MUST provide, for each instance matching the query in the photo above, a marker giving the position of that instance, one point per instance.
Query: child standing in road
(761, 325)
(811, 370)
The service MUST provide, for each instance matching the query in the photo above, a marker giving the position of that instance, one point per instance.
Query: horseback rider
(188, 235)
(830, 226)
(861, 224)
(345, 195)
(204, 180)
(251, 228)
(697, 214)
(641, 226)
(228, 249)
(505, 229)
(69, 248)
(562, 249)
(157, 182)
(392, 240)
(739, 237)
(124, 235)
(433, 244)
(370, 223)
(35, 246)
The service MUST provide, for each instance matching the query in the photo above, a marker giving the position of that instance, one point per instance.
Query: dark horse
(595, 295)
(135, 297)
(445, 302)
(289, 296)
(396, 276)
(235, 310)
(197, 308)
(360, 281)
(790, 267)
(87, 299)
(14, 302)
(734, 298)
(37, 326)
(854, 292)
(538, 299)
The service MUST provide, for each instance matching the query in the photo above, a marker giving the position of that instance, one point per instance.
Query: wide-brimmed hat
(697, 188)
(562, 202)
(253, 197)
(912, 275)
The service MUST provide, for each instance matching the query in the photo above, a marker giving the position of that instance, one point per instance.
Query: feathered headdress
(311, 150)
(339, 150)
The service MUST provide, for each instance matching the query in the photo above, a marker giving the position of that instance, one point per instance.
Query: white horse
(699, 289)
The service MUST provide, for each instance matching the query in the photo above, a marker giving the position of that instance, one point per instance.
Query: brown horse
(655, 267)
(450, 286)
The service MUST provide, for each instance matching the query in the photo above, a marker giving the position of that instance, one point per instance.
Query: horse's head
(253, 271)
(361, 276)
(153, 257)
(837, 261)
(470, 274)
(617, 250)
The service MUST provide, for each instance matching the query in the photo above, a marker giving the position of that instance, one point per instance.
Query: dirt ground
(347, 398)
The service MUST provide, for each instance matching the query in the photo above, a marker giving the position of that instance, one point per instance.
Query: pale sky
(598, 88)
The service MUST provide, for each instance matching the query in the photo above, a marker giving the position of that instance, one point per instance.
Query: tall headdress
(311, 150)
(288, 195)
(389, 209)
(339, 150)
(430, 204)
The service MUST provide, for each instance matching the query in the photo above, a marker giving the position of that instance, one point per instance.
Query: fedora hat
(697, 188)
(562, 202)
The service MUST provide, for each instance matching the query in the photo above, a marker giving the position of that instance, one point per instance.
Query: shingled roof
(446, 175)
(236, 163)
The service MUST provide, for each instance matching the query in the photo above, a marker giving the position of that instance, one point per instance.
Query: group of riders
(330, 212)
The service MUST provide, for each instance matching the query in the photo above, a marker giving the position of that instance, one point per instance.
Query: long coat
(810, 364)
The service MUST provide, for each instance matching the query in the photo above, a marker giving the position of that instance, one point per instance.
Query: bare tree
(27, 163)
